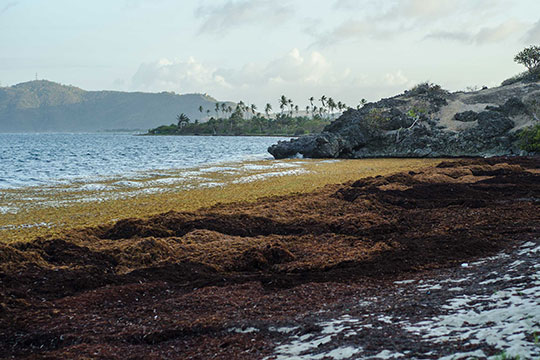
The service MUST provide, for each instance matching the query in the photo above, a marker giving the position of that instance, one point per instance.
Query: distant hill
(45, 106)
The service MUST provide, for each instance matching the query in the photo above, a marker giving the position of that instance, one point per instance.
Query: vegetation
(244, 119)
(530, 139)
(44, 106)
(235, 125)
(110, 201)
(530, 57)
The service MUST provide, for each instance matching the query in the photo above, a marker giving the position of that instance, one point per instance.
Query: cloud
(183, 76)
(354, 30)
(397, 79)
(219, 19)
(297, 74)
(405, 17)
(485, 35)
(461, 36)
(419, 10)
(346, 4)
(192, 76)
(533, 34)
(8, 6)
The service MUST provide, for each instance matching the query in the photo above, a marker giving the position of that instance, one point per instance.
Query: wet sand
(360, 269)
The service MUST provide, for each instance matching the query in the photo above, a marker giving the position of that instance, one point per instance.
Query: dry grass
(54, 209)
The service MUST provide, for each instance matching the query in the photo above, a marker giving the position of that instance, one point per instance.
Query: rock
(492, 123)
(426, 121)
(325, 145)
(513, 107)
(466, 116)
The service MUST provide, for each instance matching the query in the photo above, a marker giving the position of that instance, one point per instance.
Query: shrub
(526, 76)
(530, 57)
(530, 139)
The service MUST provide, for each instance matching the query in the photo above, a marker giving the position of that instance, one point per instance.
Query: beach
(325, 263)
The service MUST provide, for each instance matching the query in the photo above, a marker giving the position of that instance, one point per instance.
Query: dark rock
(493, 123)
(466, 116)
(512, 107)
(325, 145)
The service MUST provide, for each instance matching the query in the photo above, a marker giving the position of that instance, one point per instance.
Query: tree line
(243, 119)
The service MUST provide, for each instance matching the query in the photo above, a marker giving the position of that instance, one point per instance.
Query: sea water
(42, 159)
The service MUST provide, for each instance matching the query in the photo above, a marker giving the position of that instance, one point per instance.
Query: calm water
(37, 159)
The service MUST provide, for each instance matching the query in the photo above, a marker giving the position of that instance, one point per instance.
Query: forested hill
(45, 106)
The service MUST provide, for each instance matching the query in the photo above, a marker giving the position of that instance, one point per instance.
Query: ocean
(46, 159)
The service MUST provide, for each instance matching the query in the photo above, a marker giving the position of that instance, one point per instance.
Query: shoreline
(378, 266)
(64, 206)
(209, 135)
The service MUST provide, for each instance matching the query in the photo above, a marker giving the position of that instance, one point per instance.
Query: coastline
(252, 135)
(375, 267)
(76, 204)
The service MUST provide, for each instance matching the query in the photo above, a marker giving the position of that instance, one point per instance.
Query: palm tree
(223, 108)
(323, 101)
(290, 104)
(182, 120)
(253, 108)
(201, 109)
(282, 103)
(296, 108)
(267, 110)
(217, 110)
(331, 106)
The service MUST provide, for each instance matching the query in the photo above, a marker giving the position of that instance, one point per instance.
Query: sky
(258, 50)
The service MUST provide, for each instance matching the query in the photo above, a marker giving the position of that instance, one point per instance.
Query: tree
(267, 110)
(530, 139)
(201, 109)
(282, 103)
(332, 106)
(182, 119)
(530, 57)
(361, 104)
(217, 110)
(290, 105)
(253, 108)
(323, 101)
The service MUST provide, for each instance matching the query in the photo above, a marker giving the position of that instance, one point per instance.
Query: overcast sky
(256, 50)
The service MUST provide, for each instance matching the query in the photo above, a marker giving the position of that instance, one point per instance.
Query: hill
(428, 121)
(45, 106)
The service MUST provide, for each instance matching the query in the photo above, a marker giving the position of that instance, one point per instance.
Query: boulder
(466, 116)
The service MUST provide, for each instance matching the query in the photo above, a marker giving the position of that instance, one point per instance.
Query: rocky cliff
(426, 121)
